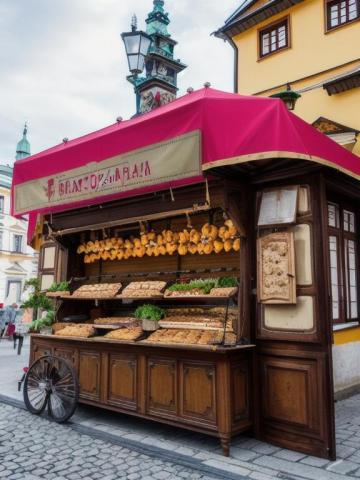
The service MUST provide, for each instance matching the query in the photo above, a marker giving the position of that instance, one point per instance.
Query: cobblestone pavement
(32, 448)
(249, 458)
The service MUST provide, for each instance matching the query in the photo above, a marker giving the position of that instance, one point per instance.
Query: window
(18, 243)
(343, 263)
(2, 203)
(340, 12)
(274, 38)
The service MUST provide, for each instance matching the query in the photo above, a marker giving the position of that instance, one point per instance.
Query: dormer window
(274, 38)
(340, 12)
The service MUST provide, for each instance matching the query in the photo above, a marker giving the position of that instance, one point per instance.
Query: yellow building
(313, 45)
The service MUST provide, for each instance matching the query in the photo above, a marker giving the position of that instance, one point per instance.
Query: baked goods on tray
(114, 320)
(190, 337)
(143, 289)
(223, 291)
(99, 290)
(81, 330)
(130, 334)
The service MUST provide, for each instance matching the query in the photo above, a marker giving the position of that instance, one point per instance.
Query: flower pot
(46, 331)
(150, 325)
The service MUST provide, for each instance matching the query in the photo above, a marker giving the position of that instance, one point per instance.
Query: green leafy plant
(59, 287)
(149, 312)
(41, 323)
(38, 301)
(225, 282)
(204, 284)
(201, 284)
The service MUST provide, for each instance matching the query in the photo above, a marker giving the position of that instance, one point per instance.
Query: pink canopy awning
(169, 147)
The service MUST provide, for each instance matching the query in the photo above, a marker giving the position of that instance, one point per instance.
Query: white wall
(346, 365)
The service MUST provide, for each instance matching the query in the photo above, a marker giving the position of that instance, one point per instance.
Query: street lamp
(137, 45)
(288, 96)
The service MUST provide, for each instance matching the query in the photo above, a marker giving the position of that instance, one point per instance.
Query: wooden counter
(201, 388)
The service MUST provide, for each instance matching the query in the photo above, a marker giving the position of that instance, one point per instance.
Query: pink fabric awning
(169, 147)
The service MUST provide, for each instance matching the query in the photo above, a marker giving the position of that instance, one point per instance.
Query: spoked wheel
(51, 382)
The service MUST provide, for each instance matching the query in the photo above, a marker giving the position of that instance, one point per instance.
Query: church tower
(157, 85)
(23, 147)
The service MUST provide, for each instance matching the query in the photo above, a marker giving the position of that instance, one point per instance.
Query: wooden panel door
(161, 386)
(197, 397)
(293, 376)
(123, 381)
(89, 375)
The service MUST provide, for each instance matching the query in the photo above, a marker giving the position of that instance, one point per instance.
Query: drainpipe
(236, 62)
(224, 36)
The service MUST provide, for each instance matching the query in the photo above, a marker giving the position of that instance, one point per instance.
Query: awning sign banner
(168, 161)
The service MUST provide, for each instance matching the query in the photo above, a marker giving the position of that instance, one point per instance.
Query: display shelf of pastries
(97, 291)
(149, 289)
(113, 323)
(130, 334)
(190, 337)
(78, 331)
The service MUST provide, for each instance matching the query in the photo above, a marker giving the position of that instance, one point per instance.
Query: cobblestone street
(31, 448)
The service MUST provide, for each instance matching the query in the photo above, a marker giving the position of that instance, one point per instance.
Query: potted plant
(150, 316)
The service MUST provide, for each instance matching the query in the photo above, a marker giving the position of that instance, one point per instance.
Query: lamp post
(288, 96)
(137, 46)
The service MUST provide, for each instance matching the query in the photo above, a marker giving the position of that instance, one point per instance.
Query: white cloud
(63, 66)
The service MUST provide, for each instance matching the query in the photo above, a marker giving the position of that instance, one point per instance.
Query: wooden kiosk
(266, 364)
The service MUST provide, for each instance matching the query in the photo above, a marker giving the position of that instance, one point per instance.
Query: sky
(63, 65)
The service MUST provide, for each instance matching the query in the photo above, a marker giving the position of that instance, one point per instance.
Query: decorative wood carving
(276, 268)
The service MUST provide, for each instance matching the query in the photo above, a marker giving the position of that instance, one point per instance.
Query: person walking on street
(10, 316)
(2, 325)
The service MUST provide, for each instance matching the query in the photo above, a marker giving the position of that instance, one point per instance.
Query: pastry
(129, 334)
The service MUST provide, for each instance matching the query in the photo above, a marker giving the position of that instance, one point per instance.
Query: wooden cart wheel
(52, 382)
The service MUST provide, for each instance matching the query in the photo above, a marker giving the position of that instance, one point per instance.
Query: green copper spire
(158, 19)
(23, 147)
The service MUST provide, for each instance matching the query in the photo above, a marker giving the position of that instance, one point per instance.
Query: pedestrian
(10, 316)
(2, 324)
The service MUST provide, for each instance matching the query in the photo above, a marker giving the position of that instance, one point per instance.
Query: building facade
(18, 261)
(311, 45)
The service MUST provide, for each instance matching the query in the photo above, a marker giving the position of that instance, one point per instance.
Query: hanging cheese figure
(80, 249)
(149, 251)
(218, 246)
(120, 254)
(137, 243)
(184, 237)
(231, 228)
(200, 248)
(205, 230)
(128, 244)
(192, 248)
(171, 248)
(213, 233)
(182, 250)
(160, 240)
(208, 248)
(162, 250)
(144, 240)
(236, 244)
(227, 245)
(152, 236)
(195, 236)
